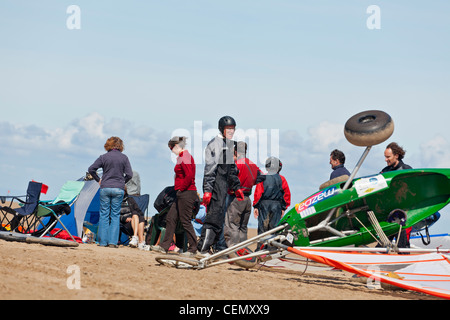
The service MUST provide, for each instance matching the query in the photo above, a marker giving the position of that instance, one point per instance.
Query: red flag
(44, 187)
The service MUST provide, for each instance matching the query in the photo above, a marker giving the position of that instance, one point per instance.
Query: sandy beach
(38, 272)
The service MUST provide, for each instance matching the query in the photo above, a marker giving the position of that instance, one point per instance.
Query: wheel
(369, 128)
(172, 260)
(398, 216)
(244, 263)
(334, 181)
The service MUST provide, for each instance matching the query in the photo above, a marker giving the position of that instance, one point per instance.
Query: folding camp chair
(21, 219)
(59, 206)
(157, 230)
(142, 202)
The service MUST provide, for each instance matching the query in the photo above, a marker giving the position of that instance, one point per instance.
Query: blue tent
(87, 206)
(85, 212)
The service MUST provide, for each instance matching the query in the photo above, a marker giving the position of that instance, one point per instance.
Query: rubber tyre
(328, 183)
(369, 128)
(172, 260)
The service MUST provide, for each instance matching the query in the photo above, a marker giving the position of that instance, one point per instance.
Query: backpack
(165, 198)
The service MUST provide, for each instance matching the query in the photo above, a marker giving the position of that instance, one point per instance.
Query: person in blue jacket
(116, 173)
(337, 161)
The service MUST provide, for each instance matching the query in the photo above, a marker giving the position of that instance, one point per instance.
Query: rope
(261, 265)
(304, 271)
(306, 266)
(373, 219)
(368, 231)
(399, 234)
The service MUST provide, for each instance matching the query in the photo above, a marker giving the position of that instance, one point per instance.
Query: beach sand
(35, 271)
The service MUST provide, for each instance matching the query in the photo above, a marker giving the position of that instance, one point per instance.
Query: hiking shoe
(158, 248)
(134, 242)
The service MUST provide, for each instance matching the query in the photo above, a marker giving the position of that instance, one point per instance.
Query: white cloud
(93, 124)
(325, 135)
(53, 155)
(85, 135)
(62, 137)
(436, 152)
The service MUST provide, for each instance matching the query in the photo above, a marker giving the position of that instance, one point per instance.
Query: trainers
(174, 249)
(158, 248)
(143, 246)
(134, 241)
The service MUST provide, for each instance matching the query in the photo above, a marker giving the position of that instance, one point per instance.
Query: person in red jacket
(183, 207)
(238, 212)
(272, 196)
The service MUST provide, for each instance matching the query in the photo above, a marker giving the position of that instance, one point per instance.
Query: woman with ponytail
(182, 208)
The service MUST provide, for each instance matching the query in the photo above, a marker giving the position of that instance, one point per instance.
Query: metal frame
(275, 239)
(324, 225)
(271, 238)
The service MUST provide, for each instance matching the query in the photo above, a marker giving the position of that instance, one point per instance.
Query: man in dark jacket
(393, 156)
(337, 161)
(220, 175)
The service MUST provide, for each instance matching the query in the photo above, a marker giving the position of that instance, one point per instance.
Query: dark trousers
(269, 215)
(215, 216)
(181, 209)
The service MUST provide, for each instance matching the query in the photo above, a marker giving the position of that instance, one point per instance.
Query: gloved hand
(207, 198)
(239, 195)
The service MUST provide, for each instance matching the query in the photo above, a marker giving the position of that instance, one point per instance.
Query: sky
(290, 72)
